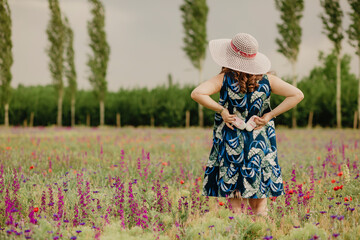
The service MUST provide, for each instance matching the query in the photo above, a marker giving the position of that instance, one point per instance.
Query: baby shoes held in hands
(250, 124)
(241, 124)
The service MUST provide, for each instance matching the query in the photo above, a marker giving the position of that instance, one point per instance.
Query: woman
(243, 162)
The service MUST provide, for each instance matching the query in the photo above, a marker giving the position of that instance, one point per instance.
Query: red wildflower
(50, 170)
(336, 188)
(290, 191)
(333, 181)
(340, 174)
(164, 163)
(273, 199)
(182, 182)
(318, 158)
(346, 199)
(36, 209)
(221, 203)
(341, 186)
(31, 167)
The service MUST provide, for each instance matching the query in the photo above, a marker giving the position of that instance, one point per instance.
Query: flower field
(146, 183)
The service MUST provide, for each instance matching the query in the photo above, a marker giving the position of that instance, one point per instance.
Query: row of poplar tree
(194, 15)
(61, 55)
(170, 105)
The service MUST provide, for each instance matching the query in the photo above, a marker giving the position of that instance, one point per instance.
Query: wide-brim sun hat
(240, 53)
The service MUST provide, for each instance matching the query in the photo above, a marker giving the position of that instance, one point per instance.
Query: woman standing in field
(243, 162)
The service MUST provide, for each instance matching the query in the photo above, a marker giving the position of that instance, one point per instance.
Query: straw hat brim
(225, 56)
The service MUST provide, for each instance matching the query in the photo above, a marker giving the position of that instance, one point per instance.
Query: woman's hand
(262, 121)
(228, 118)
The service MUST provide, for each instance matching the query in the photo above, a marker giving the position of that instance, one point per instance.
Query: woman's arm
(201, 94)
(293, 97)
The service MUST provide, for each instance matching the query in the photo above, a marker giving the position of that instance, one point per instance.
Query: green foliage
(332, 21)
(354, 27)
(6, 57)
(70, 71)
(289, 29)
(99, 59)
(194, 15)
(319, 89)
(56, 35)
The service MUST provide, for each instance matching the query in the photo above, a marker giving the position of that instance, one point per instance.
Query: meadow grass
(146, 183)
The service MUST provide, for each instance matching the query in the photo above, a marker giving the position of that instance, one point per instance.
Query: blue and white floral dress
(243, 162)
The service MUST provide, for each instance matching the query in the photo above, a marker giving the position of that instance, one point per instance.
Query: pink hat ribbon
(244, 54)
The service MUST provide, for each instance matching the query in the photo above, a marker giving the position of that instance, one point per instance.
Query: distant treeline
(167, 104)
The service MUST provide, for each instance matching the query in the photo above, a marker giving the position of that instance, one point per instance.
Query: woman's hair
(247, 82)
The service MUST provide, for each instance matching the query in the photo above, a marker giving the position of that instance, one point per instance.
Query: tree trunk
(59, 113)
(88, 120)
(359, 92)
(200, 108)
(118, 120)
(6, 114)
(152, 121)
(31, 123)
(73, 111)
(338, 91)
(294, 110)
(310, 119)
(187, 118)
(102, 113)
(355, 119)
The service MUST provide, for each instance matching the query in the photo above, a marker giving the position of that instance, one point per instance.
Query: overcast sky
(145, 38)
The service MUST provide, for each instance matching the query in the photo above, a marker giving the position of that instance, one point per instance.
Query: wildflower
(36, 209)
(31, 167)
(318, 158)
(336, 188)
(322, 212)
(333, 216)
(346, 173)
(346, 199)
(164, 163)
(268, 237)
(78, 231)
(221, 203)
(231, 218)
(273, 199)
(340, 218)
(211, 226)
(341, 187)
(50, 170)
(340, 174)
(336, 234)
(182, 182)
(73, 237)
(290, 191)
(333, 181)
